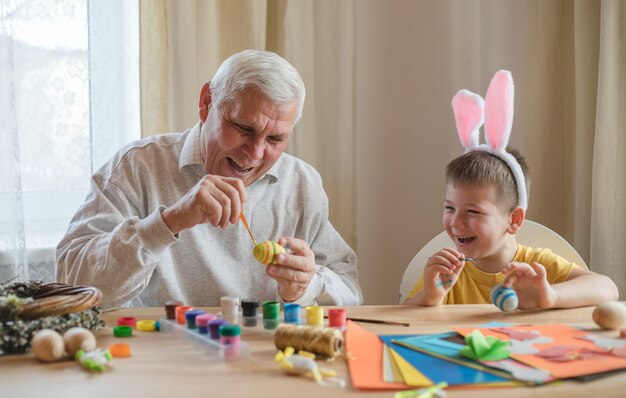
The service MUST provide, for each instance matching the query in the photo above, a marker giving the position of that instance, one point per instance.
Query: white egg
(47, 345)
(610, 315)
(78, 339)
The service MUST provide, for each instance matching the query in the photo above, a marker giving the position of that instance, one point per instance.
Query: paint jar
(122, 331)
(202, 321)
(170, 309)
(180, 313)
(230, 336)
(146, 325)
(214, 328)
(190, 316)
(337, 318)
(293, 313)
(271, 313)
(315, 315)
(127, 321)
(250, 312)
(230, 308)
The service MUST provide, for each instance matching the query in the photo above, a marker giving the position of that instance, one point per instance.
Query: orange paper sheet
(365, 361)
(563, 335)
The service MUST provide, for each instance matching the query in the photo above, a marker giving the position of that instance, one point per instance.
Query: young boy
(485, 205)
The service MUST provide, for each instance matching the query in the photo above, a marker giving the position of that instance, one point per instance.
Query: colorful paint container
(271, 313)
(293, 313)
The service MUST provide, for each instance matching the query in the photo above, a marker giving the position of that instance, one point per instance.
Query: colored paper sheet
(444, 347)
(410, 374)
(365, 363)
(438, 370)
(438, 346)
(484, 348)
(391, 373)
(562, 335)
(387, 368)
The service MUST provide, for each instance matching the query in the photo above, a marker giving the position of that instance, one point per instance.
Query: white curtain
(608, 207)
(69, 98)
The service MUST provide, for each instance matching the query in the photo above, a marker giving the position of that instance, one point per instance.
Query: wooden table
(162, 366)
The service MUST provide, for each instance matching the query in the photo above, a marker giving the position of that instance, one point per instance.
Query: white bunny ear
(499, 110)
(468, 115)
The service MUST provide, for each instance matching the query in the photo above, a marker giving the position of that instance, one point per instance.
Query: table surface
(164, 366)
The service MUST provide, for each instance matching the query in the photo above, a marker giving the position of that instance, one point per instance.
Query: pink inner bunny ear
(468, 115)
(499, 110)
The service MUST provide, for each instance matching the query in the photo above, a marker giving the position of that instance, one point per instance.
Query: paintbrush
(378, 321)
(245, 223)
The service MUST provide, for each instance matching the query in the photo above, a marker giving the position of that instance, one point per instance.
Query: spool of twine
(326, 342)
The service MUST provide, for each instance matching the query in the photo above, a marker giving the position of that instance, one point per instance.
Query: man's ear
(516, 219)
(204, 101)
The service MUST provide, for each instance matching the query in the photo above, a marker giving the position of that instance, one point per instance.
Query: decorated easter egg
(76, 339)
(504, 298)
(609, 315)
(47, 345)
(267, 251)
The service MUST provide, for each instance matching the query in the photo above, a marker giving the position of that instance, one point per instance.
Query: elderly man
(161, 219)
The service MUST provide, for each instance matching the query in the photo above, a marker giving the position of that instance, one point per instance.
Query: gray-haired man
(161, 220)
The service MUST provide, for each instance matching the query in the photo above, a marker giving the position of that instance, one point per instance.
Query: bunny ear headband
(496, 112)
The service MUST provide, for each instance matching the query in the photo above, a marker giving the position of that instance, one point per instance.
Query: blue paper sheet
(437, 369)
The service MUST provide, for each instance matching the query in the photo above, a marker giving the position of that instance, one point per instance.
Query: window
(69, 99)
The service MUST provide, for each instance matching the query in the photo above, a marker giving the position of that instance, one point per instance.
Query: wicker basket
(54, 299)
(27, 307)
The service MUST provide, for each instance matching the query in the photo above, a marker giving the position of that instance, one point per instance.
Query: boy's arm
(584, 288)
(426, 298)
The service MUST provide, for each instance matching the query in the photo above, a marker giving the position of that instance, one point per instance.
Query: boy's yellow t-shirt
(474, 286)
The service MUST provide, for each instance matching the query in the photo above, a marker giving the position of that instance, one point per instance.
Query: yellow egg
(76, 339)
(267, 251)
(610, 315)
(47, 345)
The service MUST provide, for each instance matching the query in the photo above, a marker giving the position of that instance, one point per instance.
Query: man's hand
(531, 285)
(440, 274)
(214, 200)
(293, 271)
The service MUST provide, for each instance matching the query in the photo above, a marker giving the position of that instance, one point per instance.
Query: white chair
(531, 234)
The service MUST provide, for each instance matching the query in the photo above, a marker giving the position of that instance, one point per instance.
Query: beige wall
(410, 60)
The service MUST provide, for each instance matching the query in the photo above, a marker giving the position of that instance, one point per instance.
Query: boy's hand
(440, 274)
(531, 285)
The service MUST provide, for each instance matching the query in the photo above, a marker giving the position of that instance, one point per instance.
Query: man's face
(244, 138)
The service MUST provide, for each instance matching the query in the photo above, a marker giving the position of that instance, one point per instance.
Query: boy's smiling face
(474, 220)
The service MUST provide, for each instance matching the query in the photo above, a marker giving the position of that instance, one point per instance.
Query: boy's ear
(516, 219)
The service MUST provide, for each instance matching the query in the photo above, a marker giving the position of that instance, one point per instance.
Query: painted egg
(267, 251)
(609, 315)
(76, 339)
(47, 345)
(504, 298)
